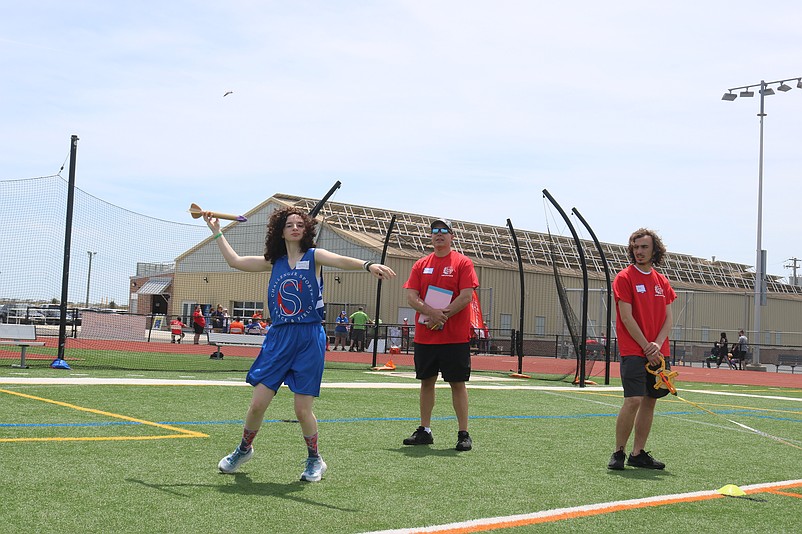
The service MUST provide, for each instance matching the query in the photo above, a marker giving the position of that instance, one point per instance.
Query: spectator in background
(358, 321)
(198, 323)
(341, 330)
(226, 320)
(217, 318)
(254, 328)
(176, 330)
(741, 347)
(723, 350)
(236, 327)
(405, 334)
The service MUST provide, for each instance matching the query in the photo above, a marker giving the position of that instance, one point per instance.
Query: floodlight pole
(760, 275)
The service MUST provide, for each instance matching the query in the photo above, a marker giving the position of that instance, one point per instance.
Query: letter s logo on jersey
(289, 298)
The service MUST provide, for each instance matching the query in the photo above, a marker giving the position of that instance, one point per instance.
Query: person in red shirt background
(442, 341)
(176, 329)
(198, 323)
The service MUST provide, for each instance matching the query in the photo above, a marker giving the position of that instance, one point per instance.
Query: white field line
(511, 385)
(558, 514)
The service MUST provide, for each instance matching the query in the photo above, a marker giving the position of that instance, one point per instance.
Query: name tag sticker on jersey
(302, 265)
(640, 288)
(428, 270)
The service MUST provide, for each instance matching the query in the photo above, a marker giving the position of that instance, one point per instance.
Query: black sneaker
(645, 460)
(464, 442)
(617, 460)
(419, 437)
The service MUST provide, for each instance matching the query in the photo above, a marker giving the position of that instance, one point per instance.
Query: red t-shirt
(649, 295)
(453, 272)
(175, 326)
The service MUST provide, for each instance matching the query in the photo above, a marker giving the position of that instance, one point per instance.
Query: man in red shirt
(442, 338)
(198, 323)
(643, 300)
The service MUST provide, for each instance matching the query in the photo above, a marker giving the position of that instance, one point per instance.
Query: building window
(705, 334)
(540, 326)
(246, 309)
(505, 320)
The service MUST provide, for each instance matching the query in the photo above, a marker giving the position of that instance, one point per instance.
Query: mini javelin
(197, 213)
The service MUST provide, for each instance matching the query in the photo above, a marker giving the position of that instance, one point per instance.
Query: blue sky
(462, 108)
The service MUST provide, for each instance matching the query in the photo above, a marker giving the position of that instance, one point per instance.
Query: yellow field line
(180, 432)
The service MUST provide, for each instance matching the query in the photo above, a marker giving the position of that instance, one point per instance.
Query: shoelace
(311, 463)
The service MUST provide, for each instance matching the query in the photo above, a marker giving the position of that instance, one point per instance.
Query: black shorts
(452, 360)
(198, 328)
(637, 381)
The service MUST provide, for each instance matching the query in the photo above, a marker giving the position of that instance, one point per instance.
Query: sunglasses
(440, 231)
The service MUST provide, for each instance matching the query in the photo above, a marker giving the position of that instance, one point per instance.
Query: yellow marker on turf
(731, 490)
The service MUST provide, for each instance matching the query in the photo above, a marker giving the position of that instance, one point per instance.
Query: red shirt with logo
(453, 272)
(649, 294)
(176, 326)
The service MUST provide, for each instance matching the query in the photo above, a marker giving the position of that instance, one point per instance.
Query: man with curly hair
(294, 348)
(643, 300)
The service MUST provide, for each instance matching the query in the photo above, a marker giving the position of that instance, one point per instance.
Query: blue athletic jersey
(294, 294)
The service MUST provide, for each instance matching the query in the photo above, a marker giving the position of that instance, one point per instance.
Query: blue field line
(385, 419)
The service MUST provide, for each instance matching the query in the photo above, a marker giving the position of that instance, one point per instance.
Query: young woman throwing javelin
(294, 348)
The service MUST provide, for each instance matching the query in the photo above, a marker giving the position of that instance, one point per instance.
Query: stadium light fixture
(746, 93)
(760, 276)
(729, 96)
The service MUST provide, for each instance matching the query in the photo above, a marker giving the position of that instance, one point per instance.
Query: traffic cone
(389, 366)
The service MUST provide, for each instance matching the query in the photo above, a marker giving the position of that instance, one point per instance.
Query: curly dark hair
(659, 247)
(275, 247)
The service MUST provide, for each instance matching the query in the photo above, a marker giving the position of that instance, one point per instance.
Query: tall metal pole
(65, 269)
(89, 276)
(760, 265)
(379, 290)
(759, 254)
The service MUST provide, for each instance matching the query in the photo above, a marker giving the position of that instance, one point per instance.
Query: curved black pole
(609, 296)
(583, 342)
(65, 269)
(313, 213)
(379, 290)
(519, 338)
(319, 206)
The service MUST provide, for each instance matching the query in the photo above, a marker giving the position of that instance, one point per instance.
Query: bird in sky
(227, 93)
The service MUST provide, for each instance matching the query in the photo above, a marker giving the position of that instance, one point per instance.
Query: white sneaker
(315, 467)
(231, 463)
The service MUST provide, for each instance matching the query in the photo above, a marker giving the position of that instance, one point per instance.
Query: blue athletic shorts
(292, 354)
